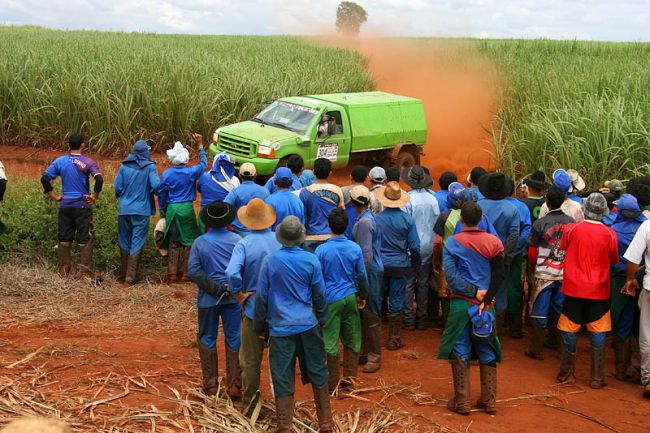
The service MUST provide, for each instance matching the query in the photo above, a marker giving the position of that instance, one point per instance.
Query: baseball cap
(615, 185)
(247, 169)
(377, 175)
(562, 180)
(283, 175)
(360, 194)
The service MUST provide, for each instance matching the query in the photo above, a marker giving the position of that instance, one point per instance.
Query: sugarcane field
(345, 217)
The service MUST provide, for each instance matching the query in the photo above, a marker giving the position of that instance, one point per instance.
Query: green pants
(251, 351)
(344, 323)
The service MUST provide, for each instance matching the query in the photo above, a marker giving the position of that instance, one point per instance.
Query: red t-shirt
(591, 248)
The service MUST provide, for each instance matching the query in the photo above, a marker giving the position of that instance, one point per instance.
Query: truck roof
(364, 98)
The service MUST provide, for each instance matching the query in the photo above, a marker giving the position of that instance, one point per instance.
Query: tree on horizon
(349, 17)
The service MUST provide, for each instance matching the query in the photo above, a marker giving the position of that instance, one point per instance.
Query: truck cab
(369, 127)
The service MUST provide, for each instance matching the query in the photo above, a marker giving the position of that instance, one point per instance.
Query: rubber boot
(284, 413)
(233, 374)
(516, 326)
(460, 372)
(124, 262)
(323, 408)
(536, 348)
(488, 389)
(363, 356)
(132, 268)
(621, 357)
(394, 327)
(350, 365)
(184, 266)
(173, 255)
(209, 369)
(567, 364)
(553, 338)
(598, 367)
(374, 344)
(63, 252)
(333, 373)
(86, 259)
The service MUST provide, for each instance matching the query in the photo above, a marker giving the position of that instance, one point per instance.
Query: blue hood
(140, 154)
(225, 161)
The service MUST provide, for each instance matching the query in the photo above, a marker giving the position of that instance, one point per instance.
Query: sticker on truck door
(328, 151)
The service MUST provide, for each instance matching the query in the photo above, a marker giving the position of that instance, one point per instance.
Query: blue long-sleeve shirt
(505, 218)
(243, 271)
(365, 234)
(291, 293)
(178, 184)
(286, 203)
(525, 224)
(272, 187)
(74, 169)
(400, 245)
(441, 196)
(343, 269)
(209, 257)
(423, 207)
(135, 187)
(243, 194)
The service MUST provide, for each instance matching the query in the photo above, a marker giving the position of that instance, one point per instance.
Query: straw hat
(392, 196)
(290, 232)
(257, 215)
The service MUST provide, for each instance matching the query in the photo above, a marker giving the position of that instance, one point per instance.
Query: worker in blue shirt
(364, 233)
(291, 306)
(358, 176)
(209, 259)
(400, 254)
(75, 208)
(245, 192)
(495, 188)
(295, 165)
(218, 182)
(283, 200)
(243, 273)
(445, 179)
(515, 308)
(473, 179)
(135, 185)
(346, 285)
(176, 195)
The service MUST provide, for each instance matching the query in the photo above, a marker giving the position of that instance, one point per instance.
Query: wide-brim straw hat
(218, 214)
(495, 186)
(416, 177)
(257, 215)
(392, 196)
(290, 232)
(577, 181)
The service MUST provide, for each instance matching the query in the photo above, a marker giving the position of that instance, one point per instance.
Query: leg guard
(567, 363)
(124, 261)
(284, 413)
(536, 348)
(63, 252)
(173, 256)
(350, 365)
(333, 372)
(394, 327)
(184, 265)
(132, 268)
(460, 371)
(86, 259)
(598, 367)
(209, 368)
(488, 389)
(374, 343)
(233, 374)
(323, 408)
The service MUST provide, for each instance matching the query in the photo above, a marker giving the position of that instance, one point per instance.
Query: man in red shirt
(591, 248)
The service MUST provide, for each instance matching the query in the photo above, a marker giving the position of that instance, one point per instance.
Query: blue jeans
(417, 286)
(464, 345)
(549, 299)
(375, 296)
(132, 232)
(394, 287)
(570, 339)
(230, 315)
(623, 327)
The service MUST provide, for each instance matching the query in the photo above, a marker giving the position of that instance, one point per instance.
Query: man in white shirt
(638, 252)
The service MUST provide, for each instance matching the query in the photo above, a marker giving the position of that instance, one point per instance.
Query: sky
(614, 20)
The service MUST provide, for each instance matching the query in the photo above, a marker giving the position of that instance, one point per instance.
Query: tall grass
(582, 105)
(119, 87)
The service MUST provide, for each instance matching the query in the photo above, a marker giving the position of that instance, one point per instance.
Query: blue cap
(307, 178)
(468, 194)
(454, 194)
(562, 180)
(627, 202)
(283, 175)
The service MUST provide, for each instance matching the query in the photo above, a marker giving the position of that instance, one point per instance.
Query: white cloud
(581, 19)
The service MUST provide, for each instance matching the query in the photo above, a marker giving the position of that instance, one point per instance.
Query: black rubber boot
(394, 329)
(598, 367)
(536, 348)
(567, 364)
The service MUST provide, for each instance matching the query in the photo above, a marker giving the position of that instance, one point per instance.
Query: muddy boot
(567, 363)
(553, 336)
(209, 368)
(284, 413)
(350, 365)
(516, 326)
(233, 374)
(132, 268)
(374, 344)
(536, 348)
(460, 372)
(86, 259)
(184, 266)
(333, 373)
(124, 261)
(394, 327)
(323, 408)
(63, 252)
(488, 389)
(173, 256)
(598, 367)
(621, 357)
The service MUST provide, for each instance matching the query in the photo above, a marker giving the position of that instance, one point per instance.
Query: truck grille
(237, 146)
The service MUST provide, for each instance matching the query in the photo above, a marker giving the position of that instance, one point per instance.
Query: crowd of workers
(307, 268)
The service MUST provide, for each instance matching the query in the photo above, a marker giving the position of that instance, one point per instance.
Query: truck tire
(407, 158)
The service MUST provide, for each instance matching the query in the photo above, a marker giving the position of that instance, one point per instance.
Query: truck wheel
(406, 159)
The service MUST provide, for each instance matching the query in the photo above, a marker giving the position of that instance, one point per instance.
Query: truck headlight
(266, 152)
(215, 136)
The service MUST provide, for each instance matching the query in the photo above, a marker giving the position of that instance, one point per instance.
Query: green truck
(373, 128)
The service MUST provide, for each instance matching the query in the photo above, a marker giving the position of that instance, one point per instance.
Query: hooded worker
(3, 187)
(135, 185)
(176, 195)
(218, 182)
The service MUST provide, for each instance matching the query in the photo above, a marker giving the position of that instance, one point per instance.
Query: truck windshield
(287, 115)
